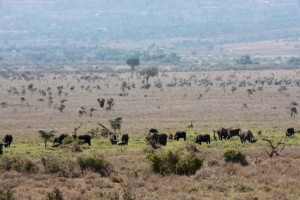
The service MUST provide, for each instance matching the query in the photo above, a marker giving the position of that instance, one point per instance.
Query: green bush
(19, 164)
(96, 164)
(235, 156)
(65, 167)
(172, 163)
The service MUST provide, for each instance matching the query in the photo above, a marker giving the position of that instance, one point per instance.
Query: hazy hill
(149, 19)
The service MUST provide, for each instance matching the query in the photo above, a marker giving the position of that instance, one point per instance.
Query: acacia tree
(46, 135)
(149, 72)
(133, 62)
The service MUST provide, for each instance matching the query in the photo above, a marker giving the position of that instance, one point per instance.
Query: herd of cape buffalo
(154, 138)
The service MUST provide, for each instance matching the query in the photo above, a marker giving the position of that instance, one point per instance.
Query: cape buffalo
(7, 140)
(153, 130)
(247, 135)
(289, 132)
(85, 139)
(58, 140)
(101, 102)
(124, 139)
(180, 134)
(170, 136)
(1, 148)
(157, 138)
(202, 138)
(233, 132)
(113, 139)
(222, 133)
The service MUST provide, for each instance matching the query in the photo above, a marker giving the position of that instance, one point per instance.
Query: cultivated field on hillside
(255, 100)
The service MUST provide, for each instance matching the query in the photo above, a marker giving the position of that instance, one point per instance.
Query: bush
(19, 164)
(64, 167)
(6, 194)
(56, 194)
(235, 156)
(172, 163)
(96, 164)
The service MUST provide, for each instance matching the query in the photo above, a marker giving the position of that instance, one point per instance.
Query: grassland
(205, 98)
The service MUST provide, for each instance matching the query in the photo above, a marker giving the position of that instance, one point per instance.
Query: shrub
(96, 164)
(235, 156)
(19, 164)
(172, 163)
(56, 194)
(189, 165)
(64, 167)
(6, 194)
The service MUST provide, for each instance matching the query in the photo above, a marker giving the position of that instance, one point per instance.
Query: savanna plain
(196, 102)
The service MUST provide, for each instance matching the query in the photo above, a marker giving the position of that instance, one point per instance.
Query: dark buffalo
(180, 134)
(101, 102)
(1, 148)
(153, 130)
(247, 135)
(58, 140)
(222, 133)
(85, 139)
(233, 132)
(7, 140)
(202, 138)
(114, 139)
(289, 132)
(124, 139)
(156, 138)
(170, 136)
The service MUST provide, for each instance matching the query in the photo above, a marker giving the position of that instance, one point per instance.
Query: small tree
(149, 72)
(116, 123)
(244, 60)
(110, 103)
(46, 136)
(133, 62)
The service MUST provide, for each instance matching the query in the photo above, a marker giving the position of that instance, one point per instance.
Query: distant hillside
(111, 20)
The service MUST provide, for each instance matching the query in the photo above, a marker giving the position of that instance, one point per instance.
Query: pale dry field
(201, 99)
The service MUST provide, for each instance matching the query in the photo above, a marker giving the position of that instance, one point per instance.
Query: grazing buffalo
(85, 139)
(222, 133)
(233, 132)
(247, 135)
(180, 134)
(101, 102)
(289, 132)
(58, 140)
(153, 130)
(7, 140)
(157, 138)
(1, 148)
(124, 139)
(114, 139)
(202, 138)
(170, 136)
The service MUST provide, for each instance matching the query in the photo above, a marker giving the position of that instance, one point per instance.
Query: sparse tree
(273, 148)
(46, 136)
(293, 111)
(91, 111)
(149, 72)
(133, 62)
(116, 123)
(110, 104)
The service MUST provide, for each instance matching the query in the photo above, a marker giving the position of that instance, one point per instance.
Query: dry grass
(167, 109)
